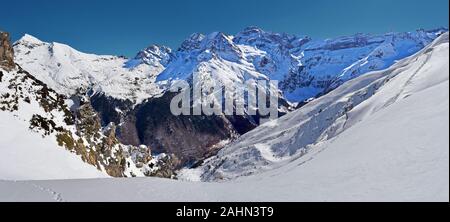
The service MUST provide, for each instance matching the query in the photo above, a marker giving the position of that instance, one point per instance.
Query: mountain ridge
(131, 100)
(395, 148)
(323, 120)
(268, 55)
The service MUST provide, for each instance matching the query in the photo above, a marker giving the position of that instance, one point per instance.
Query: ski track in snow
(402, 89)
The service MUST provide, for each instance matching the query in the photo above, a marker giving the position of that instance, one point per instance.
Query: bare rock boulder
(6, 52)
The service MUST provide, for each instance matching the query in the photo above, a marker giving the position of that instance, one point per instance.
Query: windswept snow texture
(380, 137)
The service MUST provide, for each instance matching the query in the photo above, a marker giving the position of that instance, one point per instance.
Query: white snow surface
(380, 137)
(26, 155)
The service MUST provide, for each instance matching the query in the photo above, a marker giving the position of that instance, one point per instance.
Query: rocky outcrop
(78, 128)
(167, 166)
(117, 111)
(155, 54)
(6, 52)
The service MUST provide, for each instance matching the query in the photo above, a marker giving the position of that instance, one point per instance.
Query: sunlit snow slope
(379, 137)
(401, 114)
(25, 155)
(67, 70)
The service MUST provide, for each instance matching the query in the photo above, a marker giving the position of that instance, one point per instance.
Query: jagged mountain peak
(29, 44)
(257, 37)
(192, 43)
(254, 29)
(155, 49)
(222, 45)
(69, 71)
(27, 38)
(153, 55)
(218, 36)
(213, 42)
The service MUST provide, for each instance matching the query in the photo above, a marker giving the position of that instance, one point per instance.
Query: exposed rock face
(116, 111)
(87, 140)
(6, 52)
(78, 129)
(167, 166)
(188, 138)
(155, 54)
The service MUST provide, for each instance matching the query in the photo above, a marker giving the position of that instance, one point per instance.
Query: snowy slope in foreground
(25, 155)
(398, 152)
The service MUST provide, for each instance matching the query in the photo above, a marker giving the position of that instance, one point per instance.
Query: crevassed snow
(390, 146)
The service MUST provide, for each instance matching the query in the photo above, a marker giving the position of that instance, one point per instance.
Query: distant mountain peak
(253, 29)
(27, 38)
(155, 54)
(193, 42)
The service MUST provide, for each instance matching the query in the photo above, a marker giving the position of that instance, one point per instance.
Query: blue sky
(124, 27)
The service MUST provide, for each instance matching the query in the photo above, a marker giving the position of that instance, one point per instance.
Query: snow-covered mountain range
(382, 136)
(38, 123)
(360, 101)
(414, 89)
(305, 67)
(69, 71)
(126, 92)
